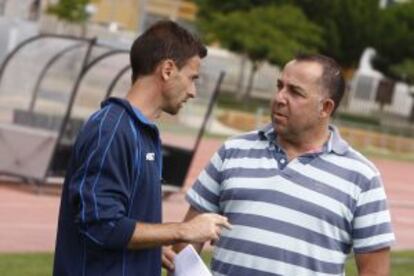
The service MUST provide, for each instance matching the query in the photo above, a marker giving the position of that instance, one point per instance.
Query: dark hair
(163, 40)
(332, 79)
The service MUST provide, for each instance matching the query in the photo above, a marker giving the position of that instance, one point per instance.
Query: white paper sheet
(189, 263)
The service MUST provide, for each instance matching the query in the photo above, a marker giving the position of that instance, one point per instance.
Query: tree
(395, 42)
(73, 11)
(349, 26)
(395, 45)
(404, 70)
(272, 33)
(209, 7)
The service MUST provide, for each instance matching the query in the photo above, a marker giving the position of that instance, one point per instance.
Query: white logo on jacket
(150, 156)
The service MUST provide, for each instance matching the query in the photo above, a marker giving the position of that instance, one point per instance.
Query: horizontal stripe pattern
(372, 219)
(251, 163)
(211, 184)
(288, 216)
(352, 164)
(272, 252)
(200, 203)
(293, 229)
(290, 188)
(261, 264)
(369, 242)
(327, 177)
(242, 144)
(298, 219)
(371, 196)
(232, 269)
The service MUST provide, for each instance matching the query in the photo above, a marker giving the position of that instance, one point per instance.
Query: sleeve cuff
(373, 248)
(121, 233)
(114, 234)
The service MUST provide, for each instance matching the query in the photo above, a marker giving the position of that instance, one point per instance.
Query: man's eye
(296, 92)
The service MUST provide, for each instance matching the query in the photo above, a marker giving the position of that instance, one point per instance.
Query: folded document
(189, 263)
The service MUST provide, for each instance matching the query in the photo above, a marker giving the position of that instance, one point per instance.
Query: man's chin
(172, 111)
(278, 128)
(277, 124)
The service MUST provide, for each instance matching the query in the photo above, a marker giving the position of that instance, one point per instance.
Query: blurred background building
(138, 15)
(387, 105)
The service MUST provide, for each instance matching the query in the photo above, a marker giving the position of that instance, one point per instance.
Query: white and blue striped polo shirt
(301, 217)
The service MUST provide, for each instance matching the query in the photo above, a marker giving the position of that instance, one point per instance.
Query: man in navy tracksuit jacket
(110, 213)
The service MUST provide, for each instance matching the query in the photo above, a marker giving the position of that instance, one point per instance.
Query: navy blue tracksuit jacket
(113, 182)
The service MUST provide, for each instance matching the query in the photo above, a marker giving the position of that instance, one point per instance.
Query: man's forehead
(193, 63)
(299, 71)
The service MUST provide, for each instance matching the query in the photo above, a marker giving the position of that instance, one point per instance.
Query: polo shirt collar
(335, 143)
(267, 133)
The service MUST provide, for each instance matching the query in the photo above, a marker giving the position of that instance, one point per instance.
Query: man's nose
(280, 96)
(192, 92)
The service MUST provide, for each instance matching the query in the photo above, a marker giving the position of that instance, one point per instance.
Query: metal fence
(50, 84)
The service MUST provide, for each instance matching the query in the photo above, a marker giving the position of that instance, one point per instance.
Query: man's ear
(326, 107)
(167, 68)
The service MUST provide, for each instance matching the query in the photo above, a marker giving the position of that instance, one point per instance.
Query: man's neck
(305, 143)
(145, 95)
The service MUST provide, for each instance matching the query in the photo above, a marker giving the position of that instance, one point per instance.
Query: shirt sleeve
(100, 187)
(204, 195)
(372, 223)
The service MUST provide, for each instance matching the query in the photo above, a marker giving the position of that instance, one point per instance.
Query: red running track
(28, 221)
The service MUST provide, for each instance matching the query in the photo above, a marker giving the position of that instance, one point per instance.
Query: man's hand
(204, 227)
(198, 230)
(168, 258)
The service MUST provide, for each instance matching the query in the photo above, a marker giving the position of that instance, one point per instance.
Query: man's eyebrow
(290, 85)
(296, 87)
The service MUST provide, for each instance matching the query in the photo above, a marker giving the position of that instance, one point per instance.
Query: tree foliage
(70, 10)
(208, 7)
(404, 70)
(342, 29)
(395, 42)
(349, 26)
(274, 33)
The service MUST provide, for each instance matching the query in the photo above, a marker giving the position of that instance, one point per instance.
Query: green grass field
(40, 264)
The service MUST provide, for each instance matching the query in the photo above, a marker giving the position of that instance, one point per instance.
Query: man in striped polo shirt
(300, 199)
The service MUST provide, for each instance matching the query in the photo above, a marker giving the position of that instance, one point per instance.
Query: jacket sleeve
(100, 186)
